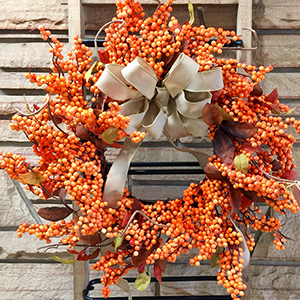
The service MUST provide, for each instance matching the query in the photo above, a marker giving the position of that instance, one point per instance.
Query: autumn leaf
(225, 114)
(296, 193)
(90, 70)
(245, 203)
(213, 173)
(54, 213)
(141, 258)
(214, 260)
(162, 263)
(235, 200)
(124, 285)
(64, 261)
(191, 13)
(223, 146)
(142, 281)
(249, 148)
(241, 163)
(93, 239)
(157, 273)
(82, 257)
(110, 135)
(125, 219)
(280, 113)
(256, 91)
(48, 185)
(272, 96)
(240, 130)
(31, 178)
(136, 205)
(82, 132)
(141, 267)
(119, 240)
(290, 175)
(251, 195)
(276, 165)
(211, 114)
(104, 55)
(95, 254)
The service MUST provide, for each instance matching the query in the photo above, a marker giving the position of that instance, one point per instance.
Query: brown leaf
(276, 166)
(82, 132)
(251, 195)
(31, 178)
(56, 119)
(240, 130)
(162, 263)
(235, 200)
(213, 173)
(247, 146)
(82, 257)
(104, 55)
(89, 239)
(211, 114)
(110, 135)
(136, 205)
(125, 219)
(142, 257)
(290, 175)
(257, 90)
(216, 95)
(95, 254)
(54, 213)
(223, 146)
(272, 96)
(101, 97)
(296, 193)
(157, 273)
(245, 203)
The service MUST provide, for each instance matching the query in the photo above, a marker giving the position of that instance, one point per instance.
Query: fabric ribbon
(172, 107)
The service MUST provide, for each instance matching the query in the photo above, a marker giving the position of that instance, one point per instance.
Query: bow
(172, 107)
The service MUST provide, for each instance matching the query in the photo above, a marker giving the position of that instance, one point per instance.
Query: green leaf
(27, 106)
(118, 241)
(225, 114)
(124, 285)
(90, 70)
(64, 261)
(191, 12)
(276, 112)
(214, 260)
(241, 163)
(31, 178)
(110, 135)
(142, 281)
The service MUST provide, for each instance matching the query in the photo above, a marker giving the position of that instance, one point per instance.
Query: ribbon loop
(173, 109)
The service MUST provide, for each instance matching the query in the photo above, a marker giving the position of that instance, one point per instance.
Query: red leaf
(104, 56)
(157, 273)
(162, 263)
(89, 239)
(240, 130)
(141, 258)
(213, 173)
(48, 185)
(43, 167)
(211, 114)
(276, 165)
(223, 146)
(141, 267)
(296, 193)
(125, 219)
(251, 195)
(235, 200)
(216, 94)
(272, 96)
(75, 252)
(36, 107)
(54, 213)
(82, 257)
(257, 90)
(82, 132)
(95, 254)
(136, 205)
(290, 175)
(247, 146)
(245, 203)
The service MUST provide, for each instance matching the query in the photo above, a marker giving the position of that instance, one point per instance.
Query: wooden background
(30, 275)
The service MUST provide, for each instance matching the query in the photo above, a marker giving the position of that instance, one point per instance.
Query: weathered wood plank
(23, 14)
(276, 14)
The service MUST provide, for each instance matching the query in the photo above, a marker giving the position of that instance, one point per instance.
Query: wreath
(157, 77)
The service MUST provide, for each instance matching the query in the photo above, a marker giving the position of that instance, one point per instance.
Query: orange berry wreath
(156, 77)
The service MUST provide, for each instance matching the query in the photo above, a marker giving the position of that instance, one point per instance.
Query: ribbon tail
(116, 178)
(200, 156)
